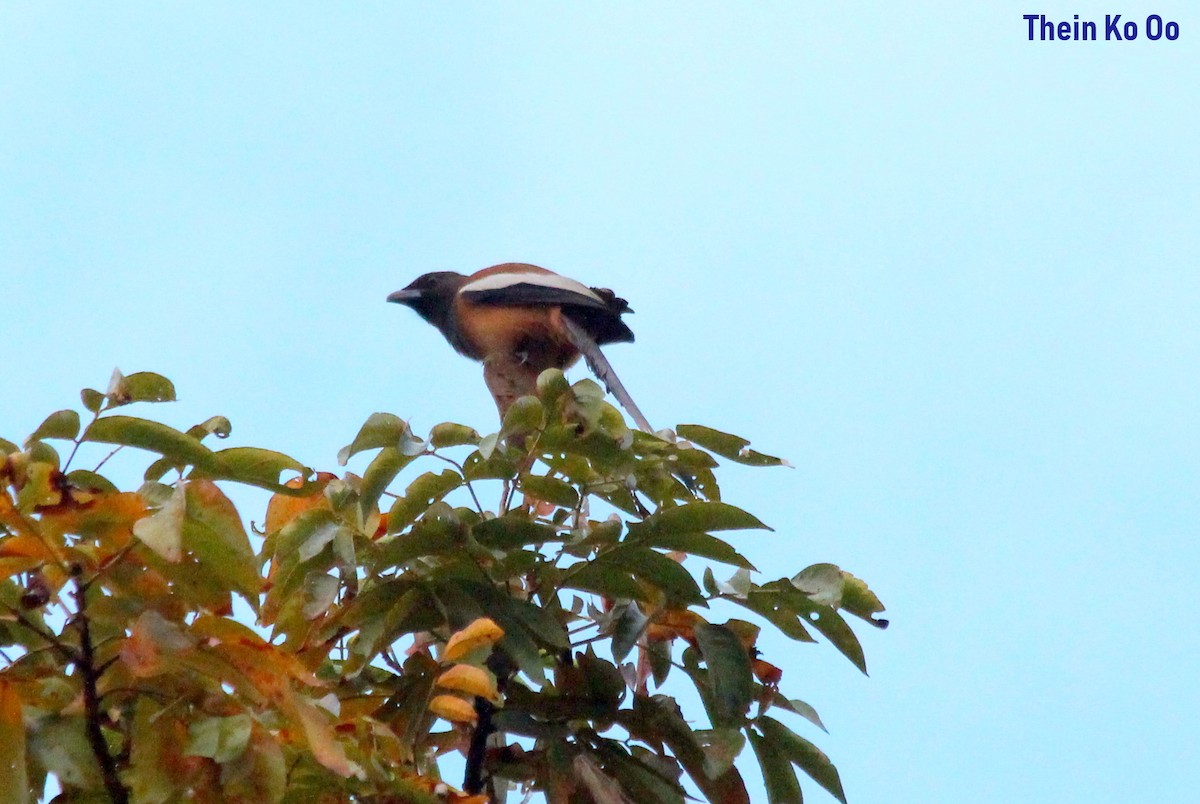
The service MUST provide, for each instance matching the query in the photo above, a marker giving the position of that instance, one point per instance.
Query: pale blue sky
(949, 273)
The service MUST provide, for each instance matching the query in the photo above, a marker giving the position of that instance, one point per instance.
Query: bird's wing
(600, 366)
(531, 294)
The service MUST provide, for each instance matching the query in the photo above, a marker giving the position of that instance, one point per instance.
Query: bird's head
(431, 295)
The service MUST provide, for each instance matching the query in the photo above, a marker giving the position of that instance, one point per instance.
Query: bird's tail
(600, 366)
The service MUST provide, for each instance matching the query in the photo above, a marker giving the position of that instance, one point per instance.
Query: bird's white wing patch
(508, 279)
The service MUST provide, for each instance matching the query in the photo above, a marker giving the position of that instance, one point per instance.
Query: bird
(519, 320)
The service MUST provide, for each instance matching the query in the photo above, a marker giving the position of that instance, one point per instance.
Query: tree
(149, 653)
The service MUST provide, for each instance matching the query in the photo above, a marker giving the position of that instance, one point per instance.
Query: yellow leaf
(470, 679)
(13, 566)
(483, 632)
(26, 545)
(452, 708)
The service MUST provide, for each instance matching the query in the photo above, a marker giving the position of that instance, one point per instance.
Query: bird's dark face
(431, 295)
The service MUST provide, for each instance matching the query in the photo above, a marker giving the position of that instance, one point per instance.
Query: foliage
(391, 629)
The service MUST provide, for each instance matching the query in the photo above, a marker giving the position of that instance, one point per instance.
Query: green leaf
(449, 434)
(213, 425)
(41, 452)
(141, 386)
(60, 424)
(803, 754)
(656, 569)
(496, 466)
(823, 618)
(379, 430)
(39, 488)
(735, 448)
(258, 774)
(90, 481)
(657, 719)
(380, 473)
(697, 516)
(782, 785)
(728, 672)
(600, 787)
(798, 707)
(551, 384)
(550, 489)
(218, 738)
(777, 610)
(513, 530)
(162, 531)
(421, 493)
(540, 624)
(642, 782)
(145, 434)
(836, 630)
(699, 544)
(258, 467)
(861, 601)
(487, 446)
(319, 593)
(425, 539)
(7, 447)
(603, 579)
(61, 747)
(524, 416)
(385, 613)
(92, 399)
(658, 652)
(628, 624)
(721, 747)
(213, 532)
(603, 682)
(823, 583)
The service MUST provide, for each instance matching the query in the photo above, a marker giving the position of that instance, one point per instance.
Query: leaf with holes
(735, 448)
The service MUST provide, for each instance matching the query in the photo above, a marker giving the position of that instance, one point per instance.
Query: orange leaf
(23, 545)
(766, 672)
(480, 633)
(674, 623)
(471, 680)
(13, 785)
(452, 708)
(106, 517)
(283, 508)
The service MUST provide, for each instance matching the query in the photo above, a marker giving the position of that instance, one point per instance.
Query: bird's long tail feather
(600, 366)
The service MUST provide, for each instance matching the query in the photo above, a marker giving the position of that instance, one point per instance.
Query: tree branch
(473, 779)
(90, 674)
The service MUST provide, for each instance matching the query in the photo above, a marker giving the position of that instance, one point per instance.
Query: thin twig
(106, 457)
(78, 442)
(462, 471)
(53, 642)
